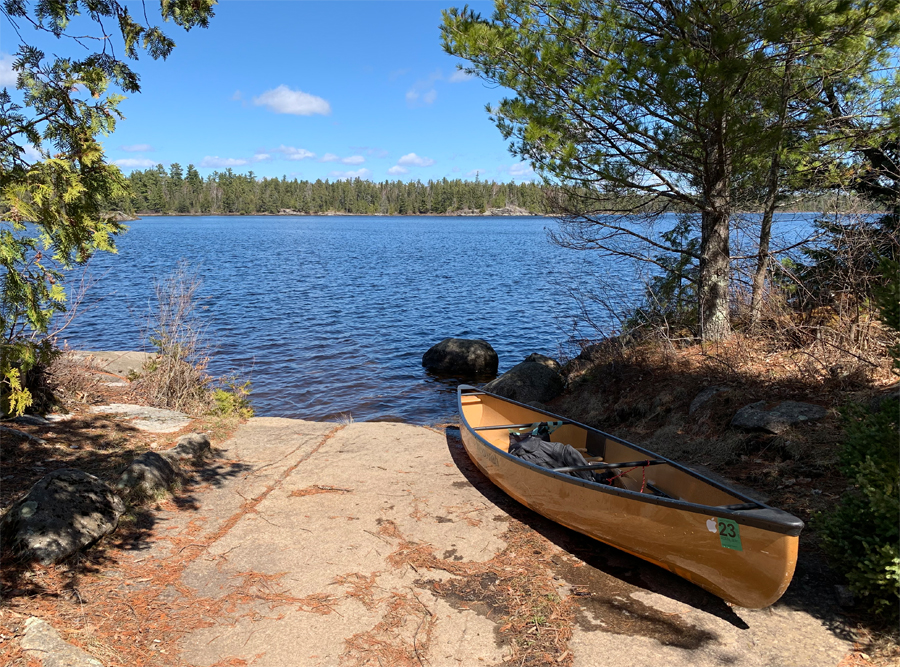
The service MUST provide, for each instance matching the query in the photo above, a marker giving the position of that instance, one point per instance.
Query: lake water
(329, 316)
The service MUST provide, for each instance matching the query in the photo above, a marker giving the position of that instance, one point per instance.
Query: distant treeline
(175, 190)
(157, 190)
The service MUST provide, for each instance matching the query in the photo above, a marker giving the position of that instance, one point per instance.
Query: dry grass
(177, 378)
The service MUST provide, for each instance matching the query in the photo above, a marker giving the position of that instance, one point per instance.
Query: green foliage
(22, 366)
(233, 400)
(54, 182)
(862, 534)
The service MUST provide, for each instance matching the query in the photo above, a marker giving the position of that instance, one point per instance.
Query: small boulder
(148, 475)
(755, 417)
(194, 446)
(527, 382)
(552, 364)
(461, 356)
(66, 511)
(703, 397)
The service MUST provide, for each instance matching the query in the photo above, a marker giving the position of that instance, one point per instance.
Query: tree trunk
(715, 276)
(762, 256)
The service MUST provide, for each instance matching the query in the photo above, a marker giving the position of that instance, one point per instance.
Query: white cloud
(397, 170)
(415, 160)
(218, 162)
(261, 157)
(427, 97)
(423, 91)
(330, 157)
(238, 96)
(459, 76)
(7, 74)
(350, 175)
(137, 148)
(292, 153)
(353, 159)
(521, 170)
(296, 102)
(135, 163)
(370, 151)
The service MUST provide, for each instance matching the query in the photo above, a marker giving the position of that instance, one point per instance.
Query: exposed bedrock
(461, 356)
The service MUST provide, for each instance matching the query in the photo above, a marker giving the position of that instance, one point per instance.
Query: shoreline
(488, 214)
(123, 217)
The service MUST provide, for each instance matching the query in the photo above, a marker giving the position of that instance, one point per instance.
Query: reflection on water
(330, 316)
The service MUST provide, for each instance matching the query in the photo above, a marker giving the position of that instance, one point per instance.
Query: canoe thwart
(610, 466)
(515, 426)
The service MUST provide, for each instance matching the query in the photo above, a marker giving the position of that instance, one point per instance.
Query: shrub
(233, 400)
(861, 534)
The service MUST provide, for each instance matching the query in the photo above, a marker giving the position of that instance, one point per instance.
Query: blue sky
(309, 89)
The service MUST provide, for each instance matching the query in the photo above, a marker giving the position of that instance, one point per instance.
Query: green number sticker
(729, 534)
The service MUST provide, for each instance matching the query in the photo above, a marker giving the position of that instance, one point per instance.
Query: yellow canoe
(725, 542)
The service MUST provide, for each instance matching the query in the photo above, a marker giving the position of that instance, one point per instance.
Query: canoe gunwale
(764, 516)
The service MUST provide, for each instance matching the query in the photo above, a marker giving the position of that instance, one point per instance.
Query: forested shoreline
(178, 191)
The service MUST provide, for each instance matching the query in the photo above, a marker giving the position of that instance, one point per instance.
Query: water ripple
(330, 316)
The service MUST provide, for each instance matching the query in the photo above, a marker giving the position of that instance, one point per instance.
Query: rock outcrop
(193, 446)
(779, 418)
(148, 475)
(552, 364)
(66, 511)
(152, 473)
(535, 379)
(144, 418)
(461, 356)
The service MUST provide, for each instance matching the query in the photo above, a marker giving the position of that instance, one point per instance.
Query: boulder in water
(461, 356)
